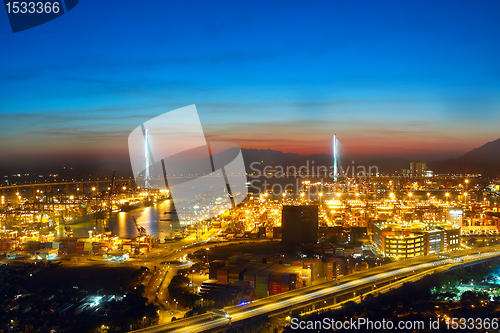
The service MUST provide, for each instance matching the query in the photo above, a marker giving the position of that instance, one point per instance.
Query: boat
(125, 207)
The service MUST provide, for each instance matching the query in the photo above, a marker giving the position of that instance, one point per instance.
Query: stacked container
(71, 246)
(79, 246)
(245, 259)
(103, 246)
(262, 282)
(233, 260)
(235, 274)
(260, 259)
(275, 282)
(214, 266)
(223, 273)
(6, 244)
(285, 282)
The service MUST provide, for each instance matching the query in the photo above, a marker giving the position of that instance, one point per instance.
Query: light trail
(203, 322)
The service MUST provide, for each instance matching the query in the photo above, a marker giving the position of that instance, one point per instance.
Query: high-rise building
(418, 169)
(299, 224)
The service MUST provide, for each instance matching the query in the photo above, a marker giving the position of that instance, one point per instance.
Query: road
(296, 298)
(157, 291)
(156, 282)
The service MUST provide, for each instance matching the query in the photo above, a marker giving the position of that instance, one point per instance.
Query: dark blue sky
(416, 79)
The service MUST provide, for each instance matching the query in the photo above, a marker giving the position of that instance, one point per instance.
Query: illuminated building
(404, 246)
(455, 216)
(442, 240)
(405, 241)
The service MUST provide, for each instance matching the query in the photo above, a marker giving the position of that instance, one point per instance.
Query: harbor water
(153, 219)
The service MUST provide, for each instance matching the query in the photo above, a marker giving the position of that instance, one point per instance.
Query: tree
(472, 298)
(178, 289)
(130, 311)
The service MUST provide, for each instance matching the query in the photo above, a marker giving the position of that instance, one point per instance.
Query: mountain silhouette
(484, 160)
(274, 158)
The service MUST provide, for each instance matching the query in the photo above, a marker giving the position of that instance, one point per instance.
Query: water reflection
(122, 223)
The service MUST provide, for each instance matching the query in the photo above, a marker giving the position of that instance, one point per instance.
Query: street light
(192, 278)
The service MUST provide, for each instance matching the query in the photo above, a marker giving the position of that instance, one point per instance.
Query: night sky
(412, 79)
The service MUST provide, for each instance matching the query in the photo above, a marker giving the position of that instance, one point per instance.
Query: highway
(157, 292)
(293, 299)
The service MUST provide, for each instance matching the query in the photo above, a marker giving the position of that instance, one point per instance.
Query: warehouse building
(415, 239)
(299, 224)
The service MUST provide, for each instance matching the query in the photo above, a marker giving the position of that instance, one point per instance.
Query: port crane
(140, 229)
